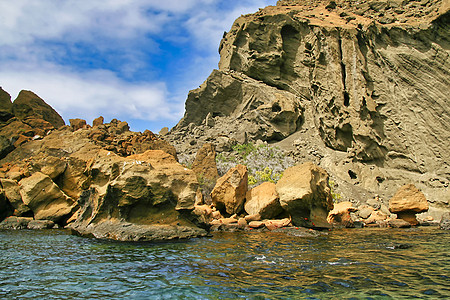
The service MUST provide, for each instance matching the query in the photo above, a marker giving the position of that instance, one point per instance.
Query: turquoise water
(345, 264)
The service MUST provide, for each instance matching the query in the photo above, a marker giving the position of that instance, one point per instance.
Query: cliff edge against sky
(359, 87)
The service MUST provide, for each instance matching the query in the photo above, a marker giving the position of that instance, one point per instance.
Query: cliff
(359, 87)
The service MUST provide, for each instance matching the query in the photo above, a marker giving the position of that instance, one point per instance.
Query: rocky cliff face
(101, 180)
(363, 83)
(27, 118)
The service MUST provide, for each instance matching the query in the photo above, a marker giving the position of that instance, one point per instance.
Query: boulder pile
(83, 177)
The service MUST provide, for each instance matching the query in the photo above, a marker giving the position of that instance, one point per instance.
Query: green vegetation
(264, 162)
(336, 196)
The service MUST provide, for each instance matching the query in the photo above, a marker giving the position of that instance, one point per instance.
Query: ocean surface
(344, 264)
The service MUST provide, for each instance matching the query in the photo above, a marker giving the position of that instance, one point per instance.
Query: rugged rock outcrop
(69, 177)
(45, 198)
(407, 202)
(25, 119)
(229, 192)
(263, 200)
(5, 105)
(28, 105)
(359, 88)
(305, 194)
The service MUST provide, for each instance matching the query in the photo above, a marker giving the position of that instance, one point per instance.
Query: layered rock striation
(362, 83)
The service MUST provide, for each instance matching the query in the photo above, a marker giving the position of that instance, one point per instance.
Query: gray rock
(399, 223)
(122, 231)
(40, 224)
(335, 81)
(365, 211)
(445, 221)
(375, 203)
(15, 223)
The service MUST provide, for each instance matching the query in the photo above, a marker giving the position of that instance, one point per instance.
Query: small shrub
(206, 186)
(186, 160)
(336, 196)
(264, 162)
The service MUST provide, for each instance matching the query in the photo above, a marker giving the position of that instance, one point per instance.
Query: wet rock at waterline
(229, 192)
(122, 231)
(407, 202)
(445, 221)
(305, 194)
(341, 215)
(263, 200)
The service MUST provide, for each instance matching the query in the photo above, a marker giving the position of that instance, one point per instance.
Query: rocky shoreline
(317, 118)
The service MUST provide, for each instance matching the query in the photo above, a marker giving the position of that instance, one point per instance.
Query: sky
(133, 60)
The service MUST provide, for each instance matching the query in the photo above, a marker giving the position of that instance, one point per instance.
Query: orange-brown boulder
(305, 194)
(263, 200)
(340, 215)
(204, 164)
(275, 224)
(45, 198)
(229, 192)
(77, 124)
(407, 202)
(97, 122)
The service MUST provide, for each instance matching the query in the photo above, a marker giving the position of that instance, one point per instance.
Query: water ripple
(346, 264)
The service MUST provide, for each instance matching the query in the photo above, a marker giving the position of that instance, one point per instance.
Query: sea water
(341, 264)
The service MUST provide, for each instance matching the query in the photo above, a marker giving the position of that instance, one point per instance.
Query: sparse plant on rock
(264, 162)
(336, 196)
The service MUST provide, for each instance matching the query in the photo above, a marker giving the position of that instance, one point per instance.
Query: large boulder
(98, 121)
(45, 198)
(445, 221)
(52, 166)
(11, 190)
(29, 104)
(77, 124)
(305, 194)
(229, 192)
(151, 191)
(263, 200)
(341, 214)
(5, 106)
(407, 202)
(204, 164)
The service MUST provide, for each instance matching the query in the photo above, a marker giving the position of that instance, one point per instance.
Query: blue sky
(134, 60)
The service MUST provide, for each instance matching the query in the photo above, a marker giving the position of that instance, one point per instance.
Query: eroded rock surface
(305, 194)
(263, 200)
(407, 202)
(229, 192)
(70, 178)
(359, 88)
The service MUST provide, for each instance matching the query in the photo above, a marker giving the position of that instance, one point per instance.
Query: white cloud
(40, 41)
(91, 94)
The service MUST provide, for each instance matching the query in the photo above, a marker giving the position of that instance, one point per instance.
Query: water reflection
(346, 264)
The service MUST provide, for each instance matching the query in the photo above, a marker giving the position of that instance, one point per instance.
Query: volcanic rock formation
(358, 87)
